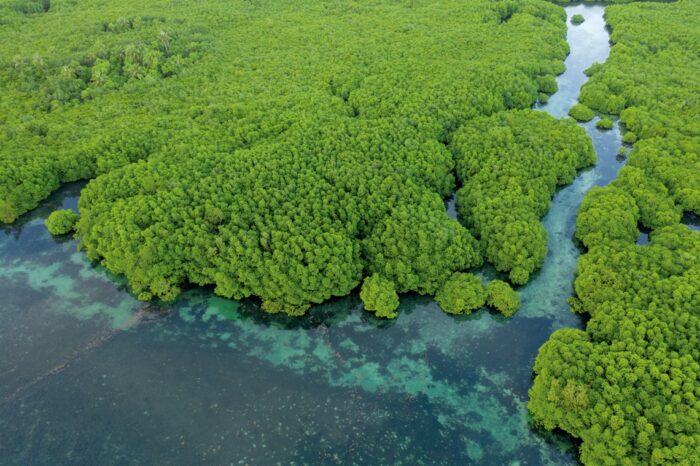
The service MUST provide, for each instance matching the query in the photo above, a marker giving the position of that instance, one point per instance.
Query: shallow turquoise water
(91, 376)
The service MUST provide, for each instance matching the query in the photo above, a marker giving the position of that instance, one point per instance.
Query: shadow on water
(211, 381)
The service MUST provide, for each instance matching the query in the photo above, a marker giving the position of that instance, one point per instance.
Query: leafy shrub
(61, 222)
(581, 112)
(577, 19)
(461, 294)
(500, 296)
(604, 123)
(379, 296)
(629, 137)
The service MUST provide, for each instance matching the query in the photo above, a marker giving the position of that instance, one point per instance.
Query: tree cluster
(509, 165)
(61, 222)
(501, 297)
(629, 385)
(581, 112)
(285, 158)
(577, 19)
(379, 296)
(462, 293)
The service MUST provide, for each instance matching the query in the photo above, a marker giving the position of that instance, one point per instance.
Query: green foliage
(629, 137)
(629, 385)
(607, 214)
(509, 175)
(577, 19)
(650, 81)
(61, 222)
(547, 84)
(379, 295)
(461, 294)
(634, 372)
(503, 298)
(274, 307)
(656, 205)
(86, 108)
(580, 112)
(23, 7)
(286, 157)
(604, 123)
(674, 162)
(593, 69)
(182, 79)
(418, 248)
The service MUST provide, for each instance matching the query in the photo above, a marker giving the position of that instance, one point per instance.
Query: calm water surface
(91, 376)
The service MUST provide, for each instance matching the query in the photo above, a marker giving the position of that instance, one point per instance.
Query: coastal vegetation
(509, 165)
(297, 151)
(288, 151)
(461, 294)
(379, 296)
(629, 384)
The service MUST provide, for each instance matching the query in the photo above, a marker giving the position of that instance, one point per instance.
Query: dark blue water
(91, 376)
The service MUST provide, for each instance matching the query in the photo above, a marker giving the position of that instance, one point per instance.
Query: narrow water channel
(91, 376)
(589, 43)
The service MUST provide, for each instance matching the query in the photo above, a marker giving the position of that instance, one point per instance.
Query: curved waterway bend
(90, 376)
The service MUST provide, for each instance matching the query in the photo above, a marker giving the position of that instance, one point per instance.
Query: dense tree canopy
(604, 123)
(607, 214)
(510, 164)
(283, 150)
(659, 43)
(629, 385)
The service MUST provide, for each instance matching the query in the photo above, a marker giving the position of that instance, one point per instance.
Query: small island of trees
(577, 19)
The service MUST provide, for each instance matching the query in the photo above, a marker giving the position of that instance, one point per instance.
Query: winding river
(91, 376)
